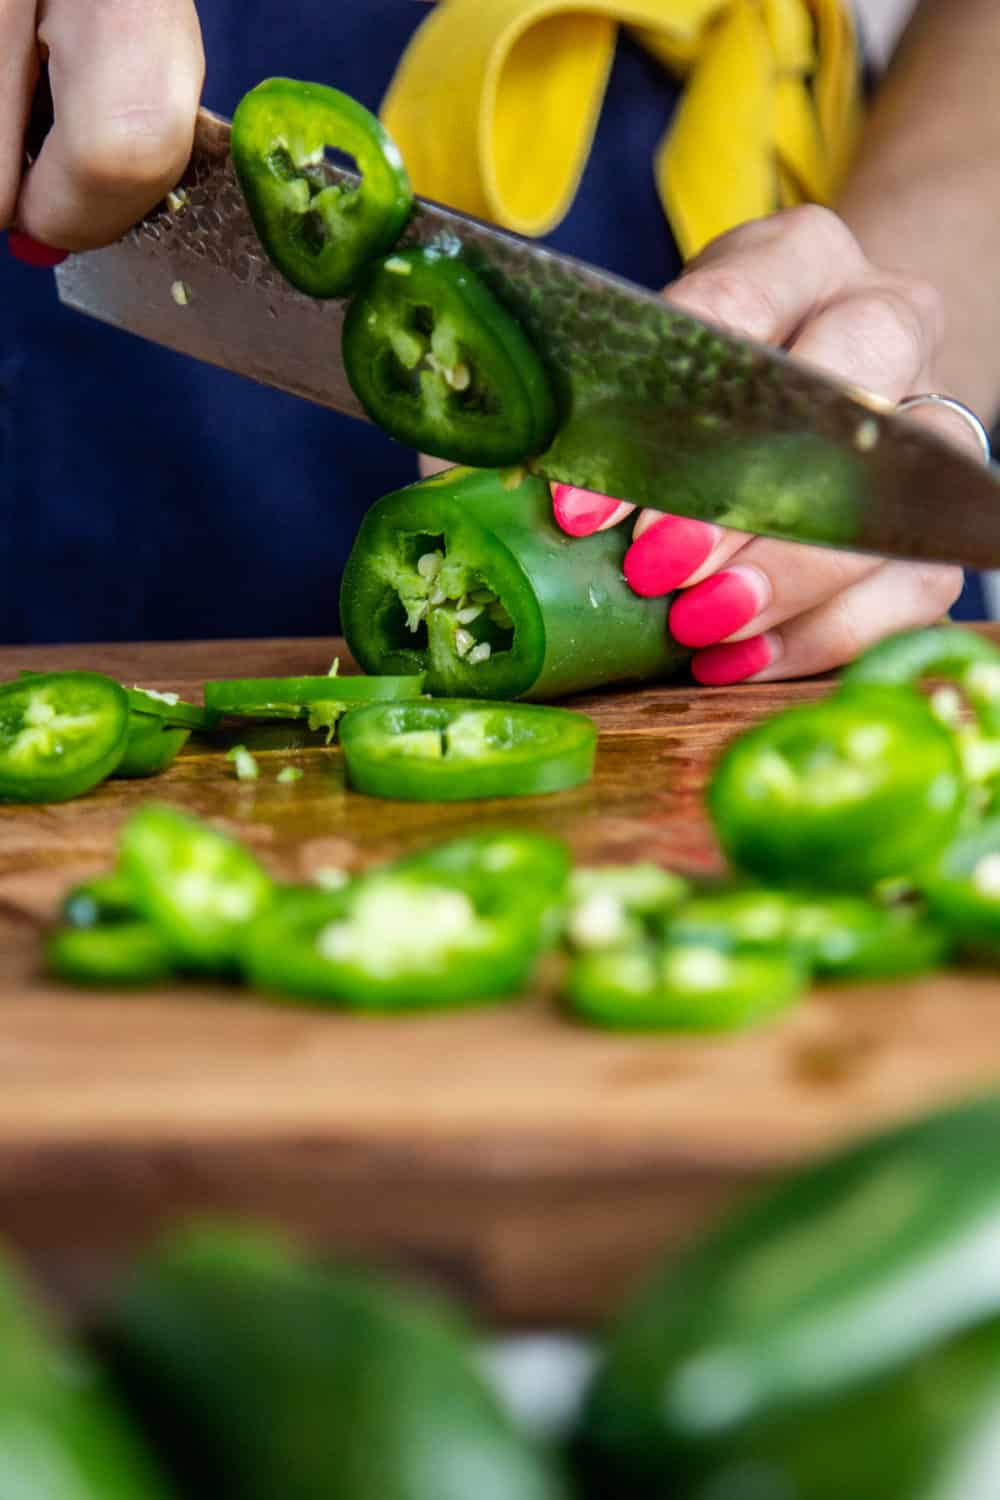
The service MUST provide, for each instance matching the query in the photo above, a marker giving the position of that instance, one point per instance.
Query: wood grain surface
(533, 1164)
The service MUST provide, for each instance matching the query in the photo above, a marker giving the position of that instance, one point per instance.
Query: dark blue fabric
(145, 496)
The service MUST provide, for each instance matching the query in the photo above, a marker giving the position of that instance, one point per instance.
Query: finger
(881, 337)
(895, 596)
(949, 425)
(18, 76)
(582, 512)
(765, 279)
(669, 552)
(126, 77)
(769, 583)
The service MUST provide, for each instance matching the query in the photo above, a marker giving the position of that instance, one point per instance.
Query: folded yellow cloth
(495, 103)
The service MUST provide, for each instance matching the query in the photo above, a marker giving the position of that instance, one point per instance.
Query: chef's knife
(657, 406)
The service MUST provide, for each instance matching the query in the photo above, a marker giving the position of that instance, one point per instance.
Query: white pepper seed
(479, 653)
(464, 642)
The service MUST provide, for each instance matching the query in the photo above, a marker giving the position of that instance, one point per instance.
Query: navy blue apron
(145, 496)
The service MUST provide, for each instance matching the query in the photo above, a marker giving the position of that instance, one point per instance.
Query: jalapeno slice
(532, 867)
(963, 889)
(151, 747)
(466, 577)
(610, 905)
(61, 733)
(836, 937)
(462, 749)
(170, 709)
(102, 901)
(394, 940)
(682, 987)
(198, 887)
(121, 953)
(319, 234)
(844, 793)
(441, 365)
(293, 697)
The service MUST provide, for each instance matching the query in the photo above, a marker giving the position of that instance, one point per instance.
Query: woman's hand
(751, 607)
(126, 79)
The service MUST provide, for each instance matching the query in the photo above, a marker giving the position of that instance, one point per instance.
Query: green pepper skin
(62, 1434)
(292, 697)
(442, 366)
(858, 788)
(197, 887)
(460, 750)
(576, 623)
(318, 234)
(151, 746)
(119, 953)
(263, 1377)
(838, 1339)
(101, 901)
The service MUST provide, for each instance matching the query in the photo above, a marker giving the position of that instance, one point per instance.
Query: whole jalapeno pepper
(442, 366)
(859, 788)
(466, 577)
(318, 233)
(839, 1337)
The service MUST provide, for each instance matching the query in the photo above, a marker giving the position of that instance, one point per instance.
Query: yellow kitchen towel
(495, 103)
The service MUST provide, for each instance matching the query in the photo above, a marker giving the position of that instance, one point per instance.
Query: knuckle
(731, 299)
(822, 232)
(142, 148)
(928, 304)
(937, 587)
(895, 327)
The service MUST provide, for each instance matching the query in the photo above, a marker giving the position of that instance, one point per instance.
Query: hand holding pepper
(756, 608)
(126, 78)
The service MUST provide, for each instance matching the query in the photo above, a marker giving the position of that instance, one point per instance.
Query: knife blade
(657, 407)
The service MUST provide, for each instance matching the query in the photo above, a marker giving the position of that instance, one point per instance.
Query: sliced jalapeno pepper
(126, 953)
(394, 940)
(467, 577)
(613, 904)
(531, 867)
(170, 709)
(293, 697)
(963, 889)
(682, 987)
(843, 793)
(101, 901)
(61, 733)
(836, 937)
(319, 234)
(151, 746)
(442, 366)
(463, 749)
(198, 887)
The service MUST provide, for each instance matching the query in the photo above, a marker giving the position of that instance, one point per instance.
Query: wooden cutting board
(533, 1164)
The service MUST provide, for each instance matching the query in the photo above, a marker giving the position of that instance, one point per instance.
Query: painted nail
(32, 252)
(721, 665)
(715, 608)
(668, 552)
(582, 512)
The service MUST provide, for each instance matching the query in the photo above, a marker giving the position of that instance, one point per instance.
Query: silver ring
(934, 398)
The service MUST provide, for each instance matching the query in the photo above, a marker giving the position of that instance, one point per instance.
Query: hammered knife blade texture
(657, 407)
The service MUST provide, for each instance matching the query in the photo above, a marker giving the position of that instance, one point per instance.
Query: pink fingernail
(32, 252)
(666, 553)
(717, 607)
(581, 512)
(721, 665)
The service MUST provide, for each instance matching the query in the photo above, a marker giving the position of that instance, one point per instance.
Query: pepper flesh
(319, 234)
(442, 366)
(478, 552)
